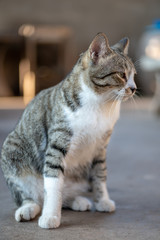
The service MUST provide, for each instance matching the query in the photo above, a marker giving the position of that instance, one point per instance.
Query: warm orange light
(26, 30)
(28, 87)
(24, 67)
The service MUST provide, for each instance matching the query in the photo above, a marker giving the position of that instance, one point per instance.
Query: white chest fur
(89, 124)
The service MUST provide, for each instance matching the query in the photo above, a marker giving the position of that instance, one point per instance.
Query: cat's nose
(133, 89)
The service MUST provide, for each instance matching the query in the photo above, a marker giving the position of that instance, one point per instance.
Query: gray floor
(133, 179)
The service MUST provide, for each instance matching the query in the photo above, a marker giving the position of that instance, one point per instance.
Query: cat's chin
(127, 97)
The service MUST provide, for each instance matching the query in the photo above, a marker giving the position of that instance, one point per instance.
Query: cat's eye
(108, 75)
(122, 75)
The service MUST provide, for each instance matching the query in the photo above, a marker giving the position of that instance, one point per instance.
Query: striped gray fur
(45, 137)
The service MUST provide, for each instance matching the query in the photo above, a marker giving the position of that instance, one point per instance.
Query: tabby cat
(58, 148)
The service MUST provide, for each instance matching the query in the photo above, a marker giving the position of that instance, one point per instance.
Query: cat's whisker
(110, 99)
(138, 93)
(137, 97)
(138, 61)
(121, 97)
(116, 98)
(138, 69)
(134, 102)
(137, 65)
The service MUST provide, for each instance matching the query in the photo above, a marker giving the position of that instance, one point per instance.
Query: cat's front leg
(51, 214)
(102, 201)
(53, 183)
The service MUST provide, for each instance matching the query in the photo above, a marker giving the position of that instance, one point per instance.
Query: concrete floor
(133, 180)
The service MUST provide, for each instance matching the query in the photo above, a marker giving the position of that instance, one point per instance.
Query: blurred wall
(117, 18)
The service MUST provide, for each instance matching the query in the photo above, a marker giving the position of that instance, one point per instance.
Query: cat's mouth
(125, 94)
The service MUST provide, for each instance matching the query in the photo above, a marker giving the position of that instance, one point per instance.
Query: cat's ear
(99, 47)
(122, 45)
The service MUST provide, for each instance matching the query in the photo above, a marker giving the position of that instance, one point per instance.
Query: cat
(58, 148)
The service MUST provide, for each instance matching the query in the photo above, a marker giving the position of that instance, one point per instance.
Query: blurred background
(41, 40)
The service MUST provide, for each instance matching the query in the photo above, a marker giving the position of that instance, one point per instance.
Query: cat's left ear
(122, 45)
(99, 47)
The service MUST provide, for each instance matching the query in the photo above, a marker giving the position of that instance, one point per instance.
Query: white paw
(105, 205)
(46, 221)
(27, 212)
(81, 204)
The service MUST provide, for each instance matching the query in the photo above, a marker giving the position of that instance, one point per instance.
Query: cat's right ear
(99, 47)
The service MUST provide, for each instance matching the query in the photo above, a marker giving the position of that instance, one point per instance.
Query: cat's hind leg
(102, 201)
(74, 196)
(27, 211)
(28, 208)
(81, 203)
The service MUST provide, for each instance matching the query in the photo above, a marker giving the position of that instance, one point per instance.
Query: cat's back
(38, 111)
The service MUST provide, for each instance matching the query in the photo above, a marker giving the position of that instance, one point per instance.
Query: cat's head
(109, 68)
